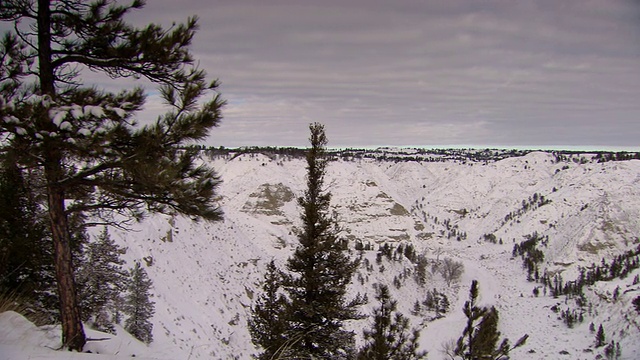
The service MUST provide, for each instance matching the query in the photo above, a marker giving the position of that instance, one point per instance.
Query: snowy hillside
(206, 275)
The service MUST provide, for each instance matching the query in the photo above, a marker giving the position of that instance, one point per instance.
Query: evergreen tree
(388, 338)
(474, 314)
(612, 351)
(138, 306)
(25, 265)
(436, 302)
(101, 280)
(320, 271)
(92, 157)
(486, 340)
(443, 305)
(480, 336)
(600, 337)
(268, 321)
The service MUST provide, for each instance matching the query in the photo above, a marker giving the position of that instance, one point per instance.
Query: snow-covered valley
(207, 275)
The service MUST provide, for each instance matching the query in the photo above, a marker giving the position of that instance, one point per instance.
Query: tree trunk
(73, 336)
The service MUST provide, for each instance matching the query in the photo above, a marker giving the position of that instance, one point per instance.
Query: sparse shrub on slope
(451, 270)
(532, 203)
(618, 267)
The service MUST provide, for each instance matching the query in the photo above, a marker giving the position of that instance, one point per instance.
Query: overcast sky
(418, 72)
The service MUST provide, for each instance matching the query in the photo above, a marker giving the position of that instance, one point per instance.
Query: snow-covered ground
(206, 275)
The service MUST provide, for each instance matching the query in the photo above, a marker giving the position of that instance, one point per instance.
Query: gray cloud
(410, 72)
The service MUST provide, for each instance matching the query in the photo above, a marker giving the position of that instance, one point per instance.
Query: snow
(21, 339)
(207, 275)
(65, 125)
(76, 112)
(58, 116)
(11, 119)
(120, 112)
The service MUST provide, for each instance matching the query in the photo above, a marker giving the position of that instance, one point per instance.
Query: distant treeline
(419, 154)
(616, 156)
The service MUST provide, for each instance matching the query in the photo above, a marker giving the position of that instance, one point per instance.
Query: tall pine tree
(389, 338)
(138, 305)
(320, 270)
(92, 157)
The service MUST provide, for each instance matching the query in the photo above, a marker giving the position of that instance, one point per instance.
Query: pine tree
(92, 158)
(25, 266)
(268, 322)
(600, 337)
(474, 314)
(138, 306)
(443, 305)
(612, 350)
(320, 271)
(388, 337)
(101, 280)
(436, 302)
(481, 335)
(486, 340)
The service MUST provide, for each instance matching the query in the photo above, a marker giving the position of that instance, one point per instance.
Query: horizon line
(579, 148)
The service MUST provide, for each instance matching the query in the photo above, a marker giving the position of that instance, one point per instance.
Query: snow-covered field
(206, 276)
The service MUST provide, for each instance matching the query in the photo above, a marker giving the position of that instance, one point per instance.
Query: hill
(469, 206)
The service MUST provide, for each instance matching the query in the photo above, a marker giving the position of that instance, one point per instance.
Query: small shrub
(636, 304)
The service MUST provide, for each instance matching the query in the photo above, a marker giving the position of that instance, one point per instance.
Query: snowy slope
(207, 275)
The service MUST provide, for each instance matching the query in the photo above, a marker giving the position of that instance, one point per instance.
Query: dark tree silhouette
(320, 270)
(600, 337)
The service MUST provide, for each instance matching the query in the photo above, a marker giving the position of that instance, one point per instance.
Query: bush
(636, 304)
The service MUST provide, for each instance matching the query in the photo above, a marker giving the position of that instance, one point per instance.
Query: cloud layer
(413, 72)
